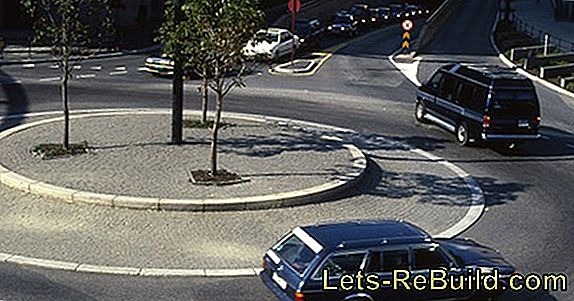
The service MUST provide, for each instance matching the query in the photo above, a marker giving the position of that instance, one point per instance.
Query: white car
(272, 43)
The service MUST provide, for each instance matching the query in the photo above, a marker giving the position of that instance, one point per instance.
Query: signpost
(407, 26)
(294, 7)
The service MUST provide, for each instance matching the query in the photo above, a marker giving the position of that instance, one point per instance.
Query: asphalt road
(529, 191)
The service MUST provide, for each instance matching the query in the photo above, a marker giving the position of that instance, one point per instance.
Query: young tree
(223, 27)
(70, 27)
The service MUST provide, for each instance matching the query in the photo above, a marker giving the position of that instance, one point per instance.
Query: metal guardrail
(540, 35)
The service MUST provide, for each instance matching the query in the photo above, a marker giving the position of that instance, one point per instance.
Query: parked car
(379, 16)
(159, 65)
(361, 13)
(344, 24)
(271, 43)
(397, 10)
(415, 11)
(294, 268)
(480, 103)
(309, 32)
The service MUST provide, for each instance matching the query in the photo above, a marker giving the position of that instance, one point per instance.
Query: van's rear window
(296, 253)
(514, 102)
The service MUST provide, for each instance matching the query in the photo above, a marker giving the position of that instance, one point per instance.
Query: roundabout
(398, 183)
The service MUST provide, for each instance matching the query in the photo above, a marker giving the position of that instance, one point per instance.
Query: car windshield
(296, 253)
(269, 37)
(512, 102)
(357, 11)
(342, 20)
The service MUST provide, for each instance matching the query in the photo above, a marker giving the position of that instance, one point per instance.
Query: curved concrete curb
(291, 198)
(520, 70)
(474, 213)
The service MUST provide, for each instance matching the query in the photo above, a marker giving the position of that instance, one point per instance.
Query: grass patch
(55, 151)
(197, 124)
(570, 87)
(507, 37)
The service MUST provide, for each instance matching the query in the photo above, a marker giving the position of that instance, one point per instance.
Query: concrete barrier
(556, 71)
(525, 52)
(435, 23)
(565, 81)
(539, 61)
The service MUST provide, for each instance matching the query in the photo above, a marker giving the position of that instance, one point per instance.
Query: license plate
(280, 281)
(523, 123)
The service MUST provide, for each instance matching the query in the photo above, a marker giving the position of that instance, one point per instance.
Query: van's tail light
(538, 120)
(299, 296)
(486, 121)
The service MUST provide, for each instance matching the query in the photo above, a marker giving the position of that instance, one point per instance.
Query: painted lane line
(55, 66)
(29, 66)
(118, 73)
(96, 68)
(77, 67)
(50, 79)
(121, 68)
(82, 76)
(142, 69)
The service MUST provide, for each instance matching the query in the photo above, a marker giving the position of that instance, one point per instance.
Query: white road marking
(55, 66)
(121, 68)
(77, 67)
(29, 66)
(80, 76)
(49, 79)
(96, 68)
(141, 69)
(118, 73)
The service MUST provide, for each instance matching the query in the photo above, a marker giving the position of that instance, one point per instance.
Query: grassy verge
(507, 37)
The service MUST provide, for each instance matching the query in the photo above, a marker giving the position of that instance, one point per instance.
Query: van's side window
(449, 88)
(436, 81)
(465, 95)
(479, 99)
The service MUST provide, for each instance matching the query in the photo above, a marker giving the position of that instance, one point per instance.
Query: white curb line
(290, 198)
(473, 215)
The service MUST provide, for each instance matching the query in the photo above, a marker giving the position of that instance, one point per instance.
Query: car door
(337, 264)
(384, 262)
(430, 91)
(424, 259)
(285, 43)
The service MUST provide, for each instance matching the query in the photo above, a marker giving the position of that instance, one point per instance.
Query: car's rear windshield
(296, 253)
(514, 102)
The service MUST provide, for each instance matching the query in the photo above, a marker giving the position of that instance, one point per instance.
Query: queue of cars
(274, 43)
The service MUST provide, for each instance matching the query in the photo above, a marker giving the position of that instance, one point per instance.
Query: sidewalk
(539, 14)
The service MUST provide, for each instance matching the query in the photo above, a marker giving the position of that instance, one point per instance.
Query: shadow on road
(435, 189)
(14, 101)
(18, 283)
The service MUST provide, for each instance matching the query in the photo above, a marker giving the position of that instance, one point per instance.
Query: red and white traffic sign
(407, 25)
(294, 6)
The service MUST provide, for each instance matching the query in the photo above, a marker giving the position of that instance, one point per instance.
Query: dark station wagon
(294, 268)
(480, 103)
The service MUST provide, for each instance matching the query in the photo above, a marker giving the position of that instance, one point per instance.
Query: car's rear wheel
(462, 135)
(420, 112)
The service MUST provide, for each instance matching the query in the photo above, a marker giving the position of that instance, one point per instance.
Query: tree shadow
(554, 143)
(434, 189)
(17, 282)
(17, 101)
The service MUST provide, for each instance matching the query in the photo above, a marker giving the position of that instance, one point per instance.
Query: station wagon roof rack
(384, 241)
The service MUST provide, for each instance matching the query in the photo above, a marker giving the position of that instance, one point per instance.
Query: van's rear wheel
(420, 112)
(462, 135)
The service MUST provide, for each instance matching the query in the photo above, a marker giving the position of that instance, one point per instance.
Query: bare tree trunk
(204, 96)
(177, 91)
(64, 94)
(215, 129)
